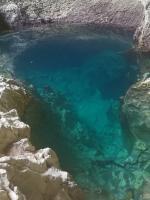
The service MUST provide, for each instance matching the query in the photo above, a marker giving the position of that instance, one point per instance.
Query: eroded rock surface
(27, 174)
(126, 14)
(142, 34)
(133, 15)
(12, 96)
(136, 109)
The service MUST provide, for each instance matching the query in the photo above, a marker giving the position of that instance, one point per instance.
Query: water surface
(79, 80)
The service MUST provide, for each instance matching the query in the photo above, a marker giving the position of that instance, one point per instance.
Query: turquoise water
(78, 81)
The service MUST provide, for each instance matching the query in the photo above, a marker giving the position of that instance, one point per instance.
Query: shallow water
(79, 80)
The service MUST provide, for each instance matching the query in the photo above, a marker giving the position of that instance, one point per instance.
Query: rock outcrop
(142, 35)
(27, 174)
(131, 15)
(120, 13)
(12, 96)
(136, 109)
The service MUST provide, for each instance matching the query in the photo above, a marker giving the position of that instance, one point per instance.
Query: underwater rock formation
(24, 172)
(136, 109)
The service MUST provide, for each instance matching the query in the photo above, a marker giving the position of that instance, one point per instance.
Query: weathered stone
(125, 14)
(12, 96)
(131, 15)
(27, 174)
(142, 35)
(11, 129)
(36, 173)
(136, 109)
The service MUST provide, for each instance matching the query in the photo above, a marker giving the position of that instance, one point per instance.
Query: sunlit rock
(12, 96)
(11, 11)
(11, 129)
(24, 172)
(120, 13)
(36, 173)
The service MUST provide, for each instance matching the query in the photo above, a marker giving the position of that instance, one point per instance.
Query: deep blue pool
(78, 81)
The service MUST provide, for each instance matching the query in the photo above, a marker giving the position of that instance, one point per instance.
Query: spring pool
(78, 80)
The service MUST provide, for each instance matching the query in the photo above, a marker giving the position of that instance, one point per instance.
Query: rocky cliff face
(24, 172)
(142, 33)
(127, 15)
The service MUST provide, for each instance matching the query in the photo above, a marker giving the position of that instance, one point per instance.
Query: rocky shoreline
(20, 163)
(26, 173)
(130, 15)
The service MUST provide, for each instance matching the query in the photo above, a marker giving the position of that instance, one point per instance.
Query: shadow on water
(71, 140)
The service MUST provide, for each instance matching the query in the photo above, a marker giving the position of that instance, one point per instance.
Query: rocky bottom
(77, 81)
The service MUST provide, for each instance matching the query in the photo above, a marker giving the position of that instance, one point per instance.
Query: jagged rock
(27, 174)
(133, 15)
(12, 96)
(11, 129)
(36, 173)
(136, 109)
(7, 190)
(120, 13)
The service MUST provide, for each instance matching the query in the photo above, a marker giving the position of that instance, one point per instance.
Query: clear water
(79, 80)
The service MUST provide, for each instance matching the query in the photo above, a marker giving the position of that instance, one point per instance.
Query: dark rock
(3, 24)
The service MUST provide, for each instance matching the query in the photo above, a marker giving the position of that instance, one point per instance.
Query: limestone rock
(11, 129)
(136, 109)
(142, 36)
(36, 173)
(27, 174)
(8, 191)
(120, 13)
(131, 15)
(12, 96)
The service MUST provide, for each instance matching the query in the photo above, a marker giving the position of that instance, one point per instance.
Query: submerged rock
(136, 109)
(24, 172)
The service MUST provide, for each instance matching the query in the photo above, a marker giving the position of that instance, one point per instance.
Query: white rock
(12, 12)
(27, 174)
(12, 96)
(11, 129)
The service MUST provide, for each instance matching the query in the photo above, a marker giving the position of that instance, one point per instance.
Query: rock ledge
(27, 174)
